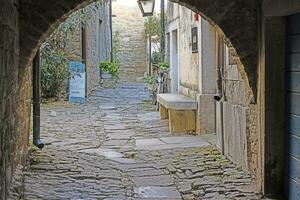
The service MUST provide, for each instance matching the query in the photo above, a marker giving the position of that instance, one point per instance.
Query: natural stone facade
(238, 126)
(128, 26)
(15, 95)
(98, 42)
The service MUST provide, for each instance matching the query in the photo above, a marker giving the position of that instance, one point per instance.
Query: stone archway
(24, 25)
(237, 19)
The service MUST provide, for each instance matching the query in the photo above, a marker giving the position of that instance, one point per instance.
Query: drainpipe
(150, 56)
(219, 96)
(162, 21)
(36, 101)
(111, 32)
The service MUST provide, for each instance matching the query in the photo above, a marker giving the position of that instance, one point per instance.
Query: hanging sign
(77, 82)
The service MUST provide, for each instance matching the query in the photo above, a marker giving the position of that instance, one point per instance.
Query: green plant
(151, 81)
(156, 57)
(111, 67)
(54, 71)
(152, 26)
(55, 53)
(163, 67)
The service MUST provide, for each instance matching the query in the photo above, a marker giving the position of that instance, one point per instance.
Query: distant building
(92, 42)
(128, 28)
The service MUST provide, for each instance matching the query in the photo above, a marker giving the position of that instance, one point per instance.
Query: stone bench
(180, 110)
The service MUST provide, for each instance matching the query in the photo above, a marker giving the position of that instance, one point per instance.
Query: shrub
(152, 26)
(152, 82)
(111, 67)
(54, 71)
(155, 57)
(163, 67)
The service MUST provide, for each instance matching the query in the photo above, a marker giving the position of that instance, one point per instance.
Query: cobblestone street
(115, 147)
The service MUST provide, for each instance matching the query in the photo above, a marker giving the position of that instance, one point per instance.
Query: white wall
(196, 70)
(174, 74)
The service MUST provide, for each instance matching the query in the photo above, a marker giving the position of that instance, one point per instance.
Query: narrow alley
(115, 147)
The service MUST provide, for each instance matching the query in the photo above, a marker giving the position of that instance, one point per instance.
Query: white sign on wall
(77, 82)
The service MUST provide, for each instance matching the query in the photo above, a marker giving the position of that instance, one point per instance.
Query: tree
(152, 26)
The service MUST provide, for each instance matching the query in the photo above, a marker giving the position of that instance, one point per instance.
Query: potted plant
(109, 70)
(163, 67)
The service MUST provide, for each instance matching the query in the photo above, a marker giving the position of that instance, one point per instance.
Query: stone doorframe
(271, 93)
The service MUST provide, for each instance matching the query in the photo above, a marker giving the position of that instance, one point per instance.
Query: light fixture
(146, 7)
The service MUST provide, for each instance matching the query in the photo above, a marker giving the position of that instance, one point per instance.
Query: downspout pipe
(219, 96)
(220, 67)
(36, 102)
(150, 56)
(162, 21)
(111, 31)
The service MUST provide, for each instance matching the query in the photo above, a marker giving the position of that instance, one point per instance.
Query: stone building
(200, 58)
(91, 42)
(128, 29)
(263, 34)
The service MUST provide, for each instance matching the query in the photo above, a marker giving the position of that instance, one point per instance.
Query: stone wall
(237, 133)
(15, 97)
(239, 125)
(98, 37)
(128, 23)
(196, 70)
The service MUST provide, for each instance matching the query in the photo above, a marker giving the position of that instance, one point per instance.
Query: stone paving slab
(157, 192)
(107, 153)
(115, 147)
(149, 142)
(148, 116)
(170, 143)
(162, 180)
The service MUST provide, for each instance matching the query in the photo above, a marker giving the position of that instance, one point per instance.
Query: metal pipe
(36, 101)
(150, 56)
(111, 32)
(162, 21)
(219, 96)
(220, 63)
(222, 127)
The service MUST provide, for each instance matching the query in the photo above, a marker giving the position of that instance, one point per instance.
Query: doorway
(174, 62)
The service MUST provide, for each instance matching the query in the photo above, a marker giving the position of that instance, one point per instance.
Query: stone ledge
(177, 102)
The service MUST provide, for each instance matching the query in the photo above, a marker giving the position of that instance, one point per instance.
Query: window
(195, 40)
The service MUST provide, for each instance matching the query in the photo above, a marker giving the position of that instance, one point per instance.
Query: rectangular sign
(77, 82)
